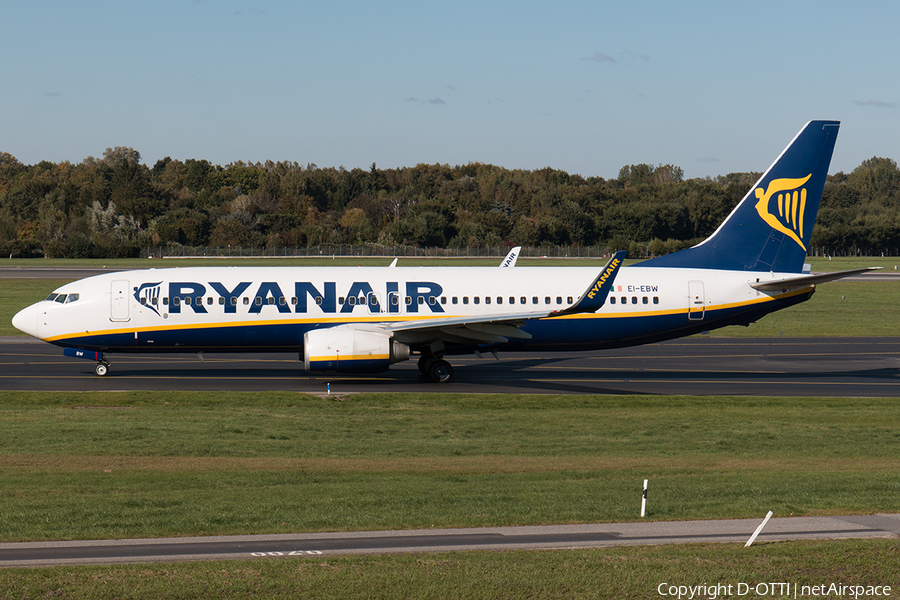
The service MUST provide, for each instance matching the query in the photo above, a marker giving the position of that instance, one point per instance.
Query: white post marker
(758, 529)
(644, 500)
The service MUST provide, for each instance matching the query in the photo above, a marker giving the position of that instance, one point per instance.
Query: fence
(372, 250)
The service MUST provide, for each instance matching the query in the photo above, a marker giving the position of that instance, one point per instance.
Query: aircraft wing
(783, 285)
(498, 328)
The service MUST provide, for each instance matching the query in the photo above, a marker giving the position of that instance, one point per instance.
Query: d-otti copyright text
(713, 591)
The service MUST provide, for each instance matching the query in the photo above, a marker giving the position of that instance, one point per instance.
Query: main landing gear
(436, 369)
(101, 369)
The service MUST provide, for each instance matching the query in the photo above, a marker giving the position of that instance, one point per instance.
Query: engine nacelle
(346, 349)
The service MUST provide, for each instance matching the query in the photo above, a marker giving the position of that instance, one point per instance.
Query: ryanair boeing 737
(365, 319)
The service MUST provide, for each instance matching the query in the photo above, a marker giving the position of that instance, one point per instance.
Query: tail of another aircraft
(769, 230)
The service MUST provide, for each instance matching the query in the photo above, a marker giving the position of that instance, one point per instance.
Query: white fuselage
(246, 308)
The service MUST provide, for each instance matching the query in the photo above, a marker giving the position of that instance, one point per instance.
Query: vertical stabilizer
(769, 230)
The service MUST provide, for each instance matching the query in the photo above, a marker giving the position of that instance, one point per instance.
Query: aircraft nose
(26, 320)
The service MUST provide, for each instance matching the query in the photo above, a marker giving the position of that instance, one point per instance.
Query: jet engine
(346, 349)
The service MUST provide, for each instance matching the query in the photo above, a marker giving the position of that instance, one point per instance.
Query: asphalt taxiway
(705, 365)
(442, 540)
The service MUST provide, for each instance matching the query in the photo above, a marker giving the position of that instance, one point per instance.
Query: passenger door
(119, 301)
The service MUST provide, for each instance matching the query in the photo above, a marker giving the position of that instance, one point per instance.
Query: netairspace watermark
(713, 591)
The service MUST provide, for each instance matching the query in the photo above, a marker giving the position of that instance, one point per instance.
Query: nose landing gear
(102, 366)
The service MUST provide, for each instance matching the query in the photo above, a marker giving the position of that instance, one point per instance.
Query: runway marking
(643, 370)
(756, 382)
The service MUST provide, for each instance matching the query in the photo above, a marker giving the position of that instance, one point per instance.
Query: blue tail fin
(769, 229)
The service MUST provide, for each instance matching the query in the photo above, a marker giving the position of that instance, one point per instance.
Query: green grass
(118, 465)
(134, 464)
(837, 309)
(614, 573)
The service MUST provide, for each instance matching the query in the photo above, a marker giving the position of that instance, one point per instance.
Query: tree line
(113, 206)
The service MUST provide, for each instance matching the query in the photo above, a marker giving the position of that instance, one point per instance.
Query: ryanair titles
(253, 297)
(602, 280)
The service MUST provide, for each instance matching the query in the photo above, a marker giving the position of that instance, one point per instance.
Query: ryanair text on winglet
(599, 284)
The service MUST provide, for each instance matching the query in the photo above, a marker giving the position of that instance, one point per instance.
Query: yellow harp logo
(790, 197)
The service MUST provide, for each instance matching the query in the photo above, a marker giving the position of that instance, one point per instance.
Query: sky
(587, 87)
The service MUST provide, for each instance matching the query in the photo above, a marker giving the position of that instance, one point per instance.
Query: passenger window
(187, 300)
(655, 299)
(143, 301)
(209, 300)
(246, 300)
(546, 299)
(559, 299)
(465, 299)
(176, 301)
(351, 301)
(395, 300)
(294, 300)
(534, 300)
(341, 300)
(499, 300)
(222, 300)
(612, 299)
(408, 300)
(569, 300)
(645, 300)
(523, 300)
(421, 299)
(476, 299)
(487, 299)
(154, 300)
(634, 299)
(282, 301)
(234, 301)
(165, 301)
(443, 299)
(624, 300)
(455, 300)
(512, 299)
(432, 300)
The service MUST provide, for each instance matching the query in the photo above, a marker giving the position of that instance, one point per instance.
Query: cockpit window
(62, 298)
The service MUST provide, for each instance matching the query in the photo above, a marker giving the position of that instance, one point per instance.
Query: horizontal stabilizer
(783, 285)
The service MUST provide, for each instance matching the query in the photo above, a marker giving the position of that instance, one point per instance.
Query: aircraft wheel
(101, 369)
(424, 361)
(440, 371)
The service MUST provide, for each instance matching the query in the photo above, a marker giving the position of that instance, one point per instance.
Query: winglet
(595, 296)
